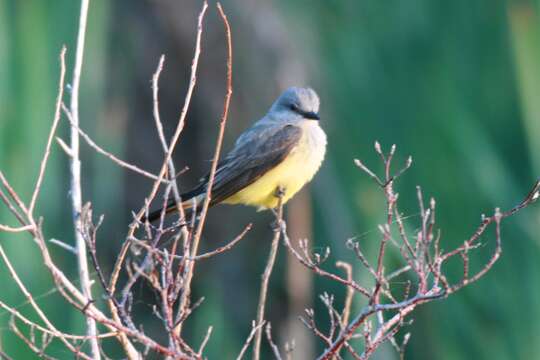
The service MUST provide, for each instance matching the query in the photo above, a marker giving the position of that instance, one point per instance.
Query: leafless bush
(164, 256)
(422, 268)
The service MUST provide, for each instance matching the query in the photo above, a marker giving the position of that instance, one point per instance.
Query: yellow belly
(291, 174)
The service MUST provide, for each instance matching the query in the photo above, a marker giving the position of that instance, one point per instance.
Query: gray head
(301, 103)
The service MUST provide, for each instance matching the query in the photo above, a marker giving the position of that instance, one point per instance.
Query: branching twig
(423, 262)
(208, 196)
(254, 328)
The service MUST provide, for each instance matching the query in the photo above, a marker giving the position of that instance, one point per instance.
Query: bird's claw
(277, 225)
(280, 192)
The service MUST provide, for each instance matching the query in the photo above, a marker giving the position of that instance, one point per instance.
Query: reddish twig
(208, 196)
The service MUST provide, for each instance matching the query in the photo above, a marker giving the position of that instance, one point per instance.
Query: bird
(281, 151)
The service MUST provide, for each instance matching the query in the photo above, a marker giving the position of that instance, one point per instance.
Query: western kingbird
(284, 150)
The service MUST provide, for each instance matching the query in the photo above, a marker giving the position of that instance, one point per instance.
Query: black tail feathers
(187, 204)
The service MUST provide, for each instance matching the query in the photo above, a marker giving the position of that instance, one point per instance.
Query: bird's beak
(311, 115)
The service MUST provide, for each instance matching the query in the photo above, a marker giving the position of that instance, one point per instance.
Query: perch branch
(267, 273)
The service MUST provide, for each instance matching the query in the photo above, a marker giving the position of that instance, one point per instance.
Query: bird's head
(298, 103)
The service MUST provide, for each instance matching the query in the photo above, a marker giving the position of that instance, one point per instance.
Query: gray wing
(255, 153)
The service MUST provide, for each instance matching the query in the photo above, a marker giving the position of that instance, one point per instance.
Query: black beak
(311, 115)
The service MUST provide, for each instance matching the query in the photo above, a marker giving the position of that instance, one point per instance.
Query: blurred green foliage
(455, 84)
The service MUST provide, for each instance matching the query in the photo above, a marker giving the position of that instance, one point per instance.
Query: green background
(455, 84)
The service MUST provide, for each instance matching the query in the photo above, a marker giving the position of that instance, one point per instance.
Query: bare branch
(64, 246)
(75, 170)
(104, 152)
(275, 349)
(35, 306)
(205, 341)
(254, 328)
(7, 228)
(268, 272)
(350, 293)
(315, 268)
(56, 120)
(224, 248)
(208, 196)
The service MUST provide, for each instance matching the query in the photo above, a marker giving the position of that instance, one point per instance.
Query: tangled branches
(423, 265)
(165, 266)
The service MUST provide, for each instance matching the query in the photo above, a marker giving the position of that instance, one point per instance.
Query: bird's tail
(190, 200)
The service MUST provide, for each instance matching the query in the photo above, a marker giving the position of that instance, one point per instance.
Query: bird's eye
(294, 107)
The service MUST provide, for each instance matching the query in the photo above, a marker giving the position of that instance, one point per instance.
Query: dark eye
(293, 107)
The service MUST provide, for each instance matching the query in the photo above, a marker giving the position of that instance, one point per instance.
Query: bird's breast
(297, 169)
(311, 148)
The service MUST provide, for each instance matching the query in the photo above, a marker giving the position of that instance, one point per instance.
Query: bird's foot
(277, 225)
(280, 192)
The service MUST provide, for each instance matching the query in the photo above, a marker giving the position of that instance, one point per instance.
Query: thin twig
(12, 193)
(207, 255)
(184, 233)
(25, 320)
(35, 306)
(161, 135)
(208, 196)
(56, 120)
(205, 341)
(254, 328)
(179, 127)
(75, 169)
(369, 310)
(12, 208)
(104, 152)
(349, 295)
(224, 248)
(7, 228)
(267, 273)
(64, 246)
(274, 347)
(317, 270)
